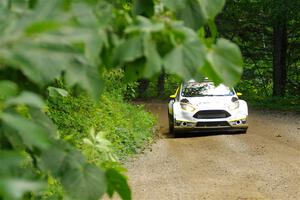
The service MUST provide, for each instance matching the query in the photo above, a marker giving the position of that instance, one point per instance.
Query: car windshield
(195, 89)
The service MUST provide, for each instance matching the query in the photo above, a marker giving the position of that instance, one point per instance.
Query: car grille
(211, 114)
(212, 124)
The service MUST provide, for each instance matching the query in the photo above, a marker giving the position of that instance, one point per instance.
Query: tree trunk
(279, 55)
(161, 84)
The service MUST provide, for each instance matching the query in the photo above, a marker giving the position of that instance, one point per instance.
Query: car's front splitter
(237, 124)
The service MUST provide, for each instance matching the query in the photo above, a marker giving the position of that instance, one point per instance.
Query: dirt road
(262, 164)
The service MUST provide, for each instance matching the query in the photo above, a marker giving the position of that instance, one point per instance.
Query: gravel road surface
(262, 164)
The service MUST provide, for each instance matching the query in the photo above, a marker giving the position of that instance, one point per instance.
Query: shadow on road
(199, 134)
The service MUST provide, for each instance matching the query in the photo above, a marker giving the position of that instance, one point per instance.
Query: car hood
(214, 102)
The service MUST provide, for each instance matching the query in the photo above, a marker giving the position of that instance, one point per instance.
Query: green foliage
(120, 133)
(126, 132)
(258, 95)
(7, 89)
(74, 42)
(255, 35)
(288, 103)
(117, 86)
(171, 83)
(117, 183)
(195, 13)
(98, 148)
(224, 53)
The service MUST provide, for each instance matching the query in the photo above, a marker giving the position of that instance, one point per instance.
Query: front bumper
(215, 124)
(215, 117)
(235, 120)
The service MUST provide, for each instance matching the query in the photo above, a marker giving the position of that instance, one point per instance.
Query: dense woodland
(268, 33)
(69, 71)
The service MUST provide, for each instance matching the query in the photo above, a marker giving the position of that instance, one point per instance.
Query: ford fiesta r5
(203, 106)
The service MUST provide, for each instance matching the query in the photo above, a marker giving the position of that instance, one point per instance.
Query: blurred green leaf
(87, 182)
(44, 9)
(225, 63)
(195, 13)
(42, 119)
(57, 92)
(145, 25)
(32, 134)
(27, 98)
(129, 50)
(210, 8)
(8, 89)
(41, 63)
(154, 61)
(60, 158)
(117, 182)
(134, 70)
(187, 10)
(9, 160)
(40, 27)
(185, 59)
(87, 78)
(15, 188)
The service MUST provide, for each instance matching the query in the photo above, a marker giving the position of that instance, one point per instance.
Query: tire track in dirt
(262, 164)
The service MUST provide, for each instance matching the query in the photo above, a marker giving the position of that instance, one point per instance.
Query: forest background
(70, 70)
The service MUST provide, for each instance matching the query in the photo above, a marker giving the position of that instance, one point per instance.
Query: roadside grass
(128, 127)
(122, 129)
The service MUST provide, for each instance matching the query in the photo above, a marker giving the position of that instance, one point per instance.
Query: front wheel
(171, 124)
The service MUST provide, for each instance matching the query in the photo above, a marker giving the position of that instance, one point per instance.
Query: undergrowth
(128, 127)
(106, 131)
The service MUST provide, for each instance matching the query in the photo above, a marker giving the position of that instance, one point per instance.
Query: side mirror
(239, 94)
(173, 96)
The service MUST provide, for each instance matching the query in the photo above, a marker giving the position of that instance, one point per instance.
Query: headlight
(234, 105)
(187, 107)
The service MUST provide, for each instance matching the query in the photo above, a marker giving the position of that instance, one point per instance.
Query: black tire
(171, 124)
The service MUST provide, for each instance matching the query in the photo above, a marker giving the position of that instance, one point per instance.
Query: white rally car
(204, 106)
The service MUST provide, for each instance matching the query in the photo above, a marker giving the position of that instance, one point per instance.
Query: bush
(128, 127)
(121, 127)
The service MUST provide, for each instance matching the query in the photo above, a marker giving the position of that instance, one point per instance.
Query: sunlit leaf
(40, 27)
(225, 63)
(8, 89)
(185, 59)
(210, 8)
(117, 183)
(56, 92)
